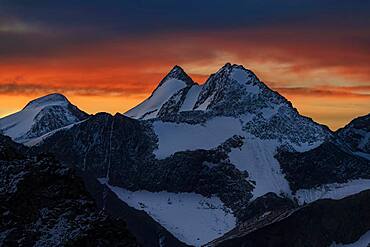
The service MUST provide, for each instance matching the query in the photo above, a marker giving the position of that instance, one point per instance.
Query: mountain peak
(237, 72)
(54, 98)
(176, 81)
(177, 73)
(41, 116)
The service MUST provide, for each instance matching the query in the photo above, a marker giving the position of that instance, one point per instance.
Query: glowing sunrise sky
(110, 55)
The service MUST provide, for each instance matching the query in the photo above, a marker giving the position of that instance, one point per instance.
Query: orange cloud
(300, 63)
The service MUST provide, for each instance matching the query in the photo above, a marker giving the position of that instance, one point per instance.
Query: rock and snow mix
(185, 116)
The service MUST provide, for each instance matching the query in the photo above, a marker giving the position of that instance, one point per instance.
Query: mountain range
(226, 163)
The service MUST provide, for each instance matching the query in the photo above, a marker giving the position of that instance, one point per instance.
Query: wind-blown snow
(174, 137)
(364, 241)
(150, 107)
(192, 218)
(257, 157)
(332, 191)
(191, 98)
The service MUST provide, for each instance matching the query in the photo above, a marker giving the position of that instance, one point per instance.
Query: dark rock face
(10, 150)
(266, 204)
(357, 134)
(103, 145)
(45, 204)
(328, 163)
(121, 149)
(318, 224)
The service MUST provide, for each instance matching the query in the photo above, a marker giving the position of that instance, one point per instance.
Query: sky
(109, 55)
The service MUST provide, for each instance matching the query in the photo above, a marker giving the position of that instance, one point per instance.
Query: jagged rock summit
(39, 117)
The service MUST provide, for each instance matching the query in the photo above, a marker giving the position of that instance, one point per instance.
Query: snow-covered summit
(47, 100)
(232, 73)
(172, 83)
(179, 74)
(39, 117)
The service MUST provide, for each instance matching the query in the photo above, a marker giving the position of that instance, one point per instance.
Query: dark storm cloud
(42, 28)
(137, 17)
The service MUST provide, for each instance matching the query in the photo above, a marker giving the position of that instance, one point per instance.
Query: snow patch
(332, 191)
(190, 217)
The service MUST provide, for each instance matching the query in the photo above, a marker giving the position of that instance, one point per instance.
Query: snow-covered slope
(176, 80)
(192, 218)
(39, 117)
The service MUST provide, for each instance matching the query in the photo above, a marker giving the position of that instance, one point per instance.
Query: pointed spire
(177, 73)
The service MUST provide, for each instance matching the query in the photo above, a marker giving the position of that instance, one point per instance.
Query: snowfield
(332, 191)
(174, 137)
(190, 217)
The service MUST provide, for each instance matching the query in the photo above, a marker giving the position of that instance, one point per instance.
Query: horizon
(122, 112)
(109, 57)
